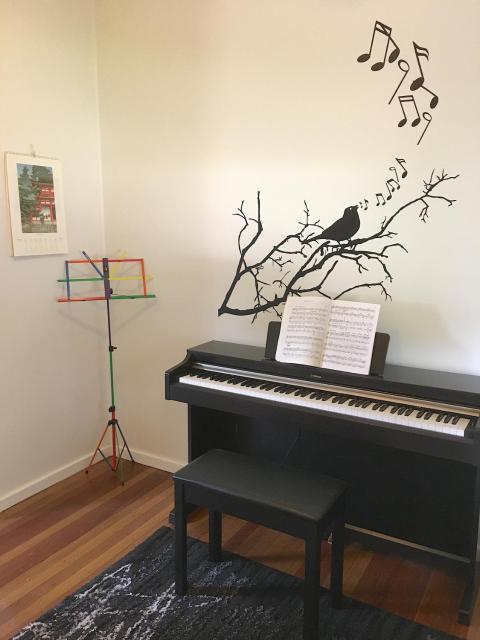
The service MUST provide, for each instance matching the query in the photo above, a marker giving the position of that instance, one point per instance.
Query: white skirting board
(31, 488)
(158, 462)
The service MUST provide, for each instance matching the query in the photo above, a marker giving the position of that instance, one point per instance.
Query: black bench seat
(294, 501)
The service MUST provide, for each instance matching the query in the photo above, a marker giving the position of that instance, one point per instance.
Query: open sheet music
(335, 334)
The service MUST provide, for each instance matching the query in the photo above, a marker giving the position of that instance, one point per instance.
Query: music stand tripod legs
(117, 440)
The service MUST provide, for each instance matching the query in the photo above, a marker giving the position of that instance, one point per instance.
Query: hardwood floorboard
(59, 539)
(60, 564)
(404, 595)
(72, 527)
(51, 499)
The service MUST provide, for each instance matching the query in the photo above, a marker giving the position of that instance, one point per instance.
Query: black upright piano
(407, 442)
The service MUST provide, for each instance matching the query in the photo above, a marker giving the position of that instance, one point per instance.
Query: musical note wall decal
(428, 118)
(405, 67)
(407, 100)
(434, 99)
(420, 52)
(392, 185)
(386, 31)
(402, 163)
(378, 196)
(364, 206)
(411, 107)
(419, 83)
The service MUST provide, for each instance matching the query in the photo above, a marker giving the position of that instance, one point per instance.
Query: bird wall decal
(343, 228)
(309, 268)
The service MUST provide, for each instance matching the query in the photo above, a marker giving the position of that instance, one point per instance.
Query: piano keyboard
(398, 410)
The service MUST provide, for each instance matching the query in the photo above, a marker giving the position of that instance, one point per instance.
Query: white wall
(203, 103)
(52, 392)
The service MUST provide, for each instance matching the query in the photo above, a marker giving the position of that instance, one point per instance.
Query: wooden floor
(55, 541)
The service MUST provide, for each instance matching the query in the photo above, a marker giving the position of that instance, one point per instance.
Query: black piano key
(289, 390)
(376, 406)
(366, 403)
(448, 417)
(401, 411)
(394, 408)
(455, 419)
(440, 417)
(336, 398)
(351, 402)
(384, 407)
(409, 411)
(359, 402)
(420, 413)
(304, 392)
(428, 415)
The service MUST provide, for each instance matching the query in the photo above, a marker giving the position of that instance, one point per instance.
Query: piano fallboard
(440, 386)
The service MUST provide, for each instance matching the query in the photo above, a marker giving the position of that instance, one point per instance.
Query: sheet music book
(335, 334)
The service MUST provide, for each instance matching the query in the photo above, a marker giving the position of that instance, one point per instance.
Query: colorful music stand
(105, 277)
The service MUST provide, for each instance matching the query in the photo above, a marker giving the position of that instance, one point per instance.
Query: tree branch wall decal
(304, 262)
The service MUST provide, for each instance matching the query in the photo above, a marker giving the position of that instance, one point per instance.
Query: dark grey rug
(236, 599)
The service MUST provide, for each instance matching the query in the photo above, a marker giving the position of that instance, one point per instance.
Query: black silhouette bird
(343, 228)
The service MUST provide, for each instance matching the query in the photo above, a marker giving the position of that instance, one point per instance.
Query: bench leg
(180, 540)
(312, 587)
(336, 579)
(215, 535)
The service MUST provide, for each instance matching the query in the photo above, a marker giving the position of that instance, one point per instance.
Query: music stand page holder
(119, 443)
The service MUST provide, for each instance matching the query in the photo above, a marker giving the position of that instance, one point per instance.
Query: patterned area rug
(236, 599)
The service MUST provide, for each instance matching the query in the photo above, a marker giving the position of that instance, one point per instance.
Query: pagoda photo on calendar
(36, 191)
(36, 204)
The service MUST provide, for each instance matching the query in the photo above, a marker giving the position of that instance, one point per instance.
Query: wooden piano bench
(291, 500)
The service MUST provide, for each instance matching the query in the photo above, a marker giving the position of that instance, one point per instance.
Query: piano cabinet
(415, 487)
